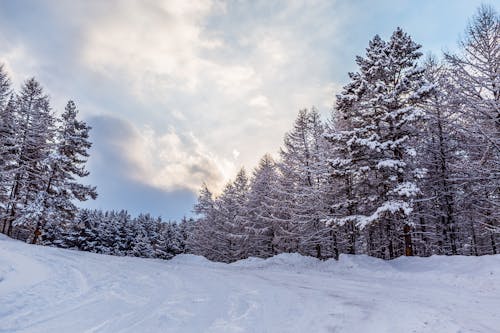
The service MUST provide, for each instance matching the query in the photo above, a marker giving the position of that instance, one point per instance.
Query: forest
(407, 164)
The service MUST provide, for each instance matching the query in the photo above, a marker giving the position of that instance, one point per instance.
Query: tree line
(407, 164)
(42, 158)
(117, 233)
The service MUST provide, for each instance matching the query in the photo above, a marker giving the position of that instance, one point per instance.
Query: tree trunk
(318, 251)
(408, 243)
(36, 234)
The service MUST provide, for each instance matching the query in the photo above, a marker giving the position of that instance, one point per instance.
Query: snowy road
(52, 290)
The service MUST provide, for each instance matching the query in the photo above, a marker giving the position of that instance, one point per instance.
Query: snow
(391, 164)
(391, 206)
(53, 290)
(407, 189)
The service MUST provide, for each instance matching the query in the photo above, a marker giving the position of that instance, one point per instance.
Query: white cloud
(169, 160)
(238, 83)
(149, 41)
(259, 101)
(17, 61)
(236, 154)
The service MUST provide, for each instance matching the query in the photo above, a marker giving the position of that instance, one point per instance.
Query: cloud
(152, 43)
(166, 161)
(17, 61)
(112, 170)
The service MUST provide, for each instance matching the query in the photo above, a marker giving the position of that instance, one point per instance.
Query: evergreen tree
(35, 128)
(474, 72)
(381, 111)
(299, 225)
(142, 247)
(231, 210)
(260, 210)
(438, 222)
(5, 87)
(202, 238)
(170, 241)
(66, 164)
(186, 227)
(8, 137)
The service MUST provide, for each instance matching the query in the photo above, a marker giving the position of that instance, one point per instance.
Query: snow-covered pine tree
(5, 87)
(35, 128)
(185, 229)
(86, 222)
(7, 143)
(340, 196)
(150, 226)
(169, 241)
(315, 236)
(219, 233)
(142, 247)
(200, 236)
(66, 166)
(475, 71)
(107, 229)
(260, 209)
(79, 233)
(380, 106)
(439, 155)
(126, 232)
(299, 220)
(231, 212)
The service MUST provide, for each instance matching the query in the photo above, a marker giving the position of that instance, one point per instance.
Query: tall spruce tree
(35, 135)
(66, 166)
(380, 112)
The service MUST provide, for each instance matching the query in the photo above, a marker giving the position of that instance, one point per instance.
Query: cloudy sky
(180, 92)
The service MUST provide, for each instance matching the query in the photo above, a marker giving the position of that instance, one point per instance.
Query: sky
(184, 92)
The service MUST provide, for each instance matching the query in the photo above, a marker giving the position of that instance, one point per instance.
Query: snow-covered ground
(51, 290)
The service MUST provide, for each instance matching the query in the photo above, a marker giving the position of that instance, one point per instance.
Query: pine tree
(170, 241)
(142, 247)
(35, 128)
(219, 234)
(202, 239)
(260, 209)
(5, 87)
(125, 233)
(231, 210)
(436, 209)
(7, 143)
(300, 223)
(186, 227)
(477, 89)
(381, 113)
(66, 163)
(339, 190)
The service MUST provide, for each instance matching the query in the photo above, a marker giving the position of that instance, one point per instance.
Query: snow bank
(290, 261)
(191, 259)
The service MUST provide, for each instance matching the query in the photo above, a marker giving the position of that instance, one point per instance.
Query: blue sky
(182, 92)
